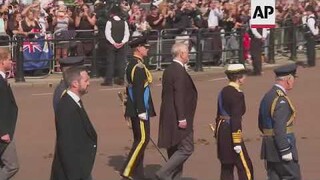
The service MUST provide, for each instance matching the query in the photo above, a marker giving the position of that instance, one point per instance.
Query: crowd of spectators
(223, 16)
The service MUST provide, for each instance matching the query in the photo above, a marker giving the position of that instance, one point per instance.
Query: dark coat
(179, 101)
(58, 92)
(8, 112)
(273, 147)
(76, 144)
(233, 103)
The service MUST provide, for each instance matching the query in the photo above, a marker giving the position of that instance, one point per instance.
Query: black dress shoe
(106, 84)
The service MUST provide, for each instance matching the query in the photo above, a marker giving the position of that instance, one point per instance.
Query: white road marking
(112, 89)
(218, 79)
(42, 94)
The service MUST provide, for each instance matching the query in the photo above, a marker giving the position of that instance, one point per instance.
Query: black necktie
(80, 102)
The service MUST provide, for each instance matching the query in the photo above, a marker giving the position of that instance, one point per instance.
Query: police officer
(139, 107)
(231, 107)
(312, 32)
(276, 118)
(65, 63)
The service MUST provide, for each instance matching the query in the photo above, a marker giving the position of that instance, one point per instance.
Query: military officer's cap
(71, 61)
(236, 69)
(140, 41)
(286, 70)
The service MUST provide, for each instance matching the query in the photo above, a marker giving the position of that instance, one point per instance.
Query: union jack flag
(32, 47)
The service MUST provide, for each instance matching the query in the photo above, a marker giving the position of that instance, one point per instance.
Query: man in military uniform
(65, 63)
(312, 31)
(231, 107)
(139, 107)
(276, 116)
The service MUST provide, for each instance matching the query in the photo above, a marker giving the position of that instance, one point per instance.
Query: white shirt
(311, 24)
(214, 16)
(3, 74)
(108, 31)
(264, 34)
(75, 97)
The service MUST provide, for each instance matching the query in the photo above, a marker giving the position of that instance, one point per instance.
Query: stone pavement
(53, 79)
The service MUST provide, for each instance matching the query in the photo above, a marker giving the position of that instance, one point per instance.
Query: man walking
(276, 117)
(8, 118)
(139, 107)
(179, 102)
(76, 143)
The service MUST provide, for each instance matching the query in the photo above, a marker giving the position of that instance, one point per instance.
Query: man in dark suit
(8, 118)
(232, 151)
(139, 108)
(76, 143)
(65, 63)
(276, 117)
(179, 102)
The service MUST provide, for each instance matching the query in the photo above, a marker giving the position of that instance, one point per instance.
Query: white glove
(237, 149)
(287, 157)
(143, 116)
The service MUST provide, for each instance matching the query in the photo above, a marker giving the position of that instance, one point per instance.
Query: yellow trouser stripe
(136, 151)
(244, 162)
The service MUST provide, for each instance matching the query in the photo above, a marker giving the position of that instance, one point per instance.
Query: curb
(52, 80)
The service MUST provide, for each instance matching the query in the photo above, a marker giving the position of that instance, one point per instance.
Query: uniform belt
(269, 132)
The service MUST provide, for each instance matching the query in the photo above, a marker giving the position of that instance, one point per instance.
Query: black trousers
(116, 62)
(256, 51)
(283, 170)
(243, 164)
(311, 51)
(133, 166)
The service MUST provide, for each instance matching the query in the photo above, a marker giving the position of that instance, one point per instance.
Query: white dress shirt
(108, 31)
(311, 24)
(265, 32)
(75, 97)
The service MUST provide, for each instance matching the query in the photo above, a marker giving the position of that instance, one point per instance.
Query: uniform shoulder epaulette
(280, 93)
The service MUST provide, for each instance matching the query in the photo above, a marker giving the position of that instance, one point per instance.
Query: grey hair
(177, 48)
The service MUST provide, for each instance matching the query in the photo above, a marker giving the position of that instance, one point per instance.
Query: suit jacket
(58, 92)
(273, 147)
(179, 101)
(76, 142)
(8, 112)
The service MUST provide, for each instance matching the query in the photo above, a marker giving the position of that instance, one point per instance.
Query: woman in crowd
(61, 23)
(85, 20)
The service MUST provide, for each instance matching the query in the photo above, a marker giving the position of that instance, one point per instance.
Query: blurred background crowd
(25, 18)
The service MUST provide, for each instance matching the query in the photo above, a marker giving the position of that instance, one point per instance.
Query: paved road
(35, 133)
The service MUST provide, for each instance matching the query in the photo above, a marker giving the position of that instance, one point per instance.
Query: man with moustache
(76, 142)
(178, 106)
(9, 165)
